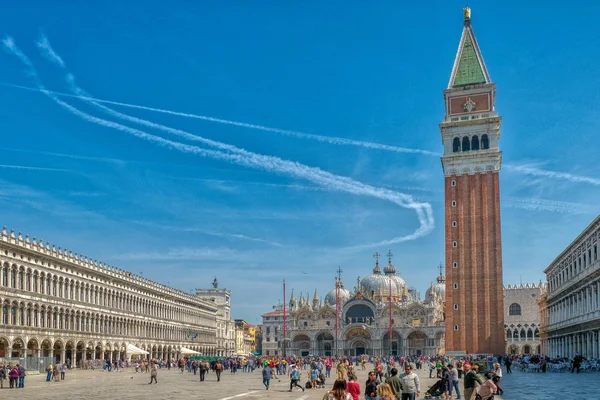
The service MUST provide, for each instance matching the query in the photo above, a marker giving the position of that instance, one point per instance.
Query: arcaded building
(522, 318)
(379, 317)
(471, 164)
(570, 309)
(66, 306)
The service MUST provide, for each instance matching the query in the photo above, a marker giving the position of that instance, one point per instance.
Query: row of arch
(470, 143)
(515, 334)
(528, 349)
(77, 351)
(26, 279)
(36, 315)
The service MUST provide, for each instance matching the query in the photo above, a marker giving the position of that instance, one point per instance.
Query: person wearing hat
(470, 380)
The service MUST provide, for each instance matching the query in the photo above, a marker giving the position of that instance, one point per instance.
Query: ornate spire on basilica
(389, 268)
(301, 303)
(316, 300)
(292, 300)
(376, 270)
(441, 278)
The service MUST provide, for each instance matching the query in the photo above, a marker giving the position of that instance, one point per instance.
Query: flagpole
(391, 317)
(284, 319)
(337, 315)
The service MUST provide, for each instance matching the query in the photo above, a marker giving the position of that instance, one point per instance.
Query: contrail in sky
(325, 139)
(253, 160)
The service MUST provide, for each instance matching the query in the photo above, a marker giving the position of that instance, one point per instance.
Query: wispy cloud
(202, 253)
(26, 167)
(535, 204)
(44, 45)
(325, 139)
(253, 160)
(529, 170)
(207, 232)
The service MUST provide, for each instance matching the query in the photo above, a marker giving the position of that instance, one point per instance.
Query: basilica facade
(69, 308)
(380, 304)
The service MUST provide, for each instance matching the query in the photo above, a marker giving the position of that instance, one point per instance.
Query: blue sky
(372, 73)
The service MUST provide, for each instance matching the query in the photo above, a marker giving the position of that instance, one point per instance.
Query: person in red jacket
(353, 387)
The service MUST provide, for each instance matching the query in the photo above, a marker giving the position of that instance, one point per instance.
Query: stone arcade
(66, 306)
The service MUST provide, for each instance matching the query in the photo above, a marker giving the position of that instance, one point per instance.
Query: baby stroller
(436, 391)
(321, 381)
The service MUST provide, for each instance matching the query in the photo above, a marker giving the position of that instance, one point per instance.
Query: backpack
(219, 366)
(308, 385)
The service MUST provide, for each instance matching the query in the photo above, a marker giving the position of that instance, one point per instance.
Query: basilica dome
(438, 289)
(343, 295)
(378, 285)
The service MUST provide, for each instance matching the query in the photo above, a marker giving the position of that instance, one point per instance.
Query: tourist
(13, 377)
(153, 375)
(218, 370)
(488, 389)
(49, 372)
(507, 364)
(459, 368)
(446, 378)
(328, 366)
(469, 381)
(267, 373)
(21, 370)
(454, 376)
(411, 387)
(395, 383)
(431, 368)
(341, 370)
(498, 371)
(353, 387)
(56, 373)
(339, 391)
(371, 387)
(294, 378)
(2, 375)
(314, 377)
(576, 364)
(384, 392)
(203, 367)
(63, 369)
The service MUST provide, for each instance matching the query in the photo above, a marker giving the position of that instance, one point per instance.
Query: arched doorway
(301, 345)
(4, 347)
(57, 351)
(396, 347)
(358, 342)
(417, 341)
(46, 348)
(79, 354)
(513, 349)
(526, 349)
(33, 348)
(538, 349)
(99, 353)
(18, 348)
(69, 353)
(325, 344)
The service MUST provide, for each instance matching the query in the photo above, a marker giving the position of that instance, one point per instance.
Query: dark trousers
(218, 372)
(409, 396)
(12, 382)
(21, 381)
(153, 378)
(508, 371)
(294, 382)
(62, 375)
(202, 373)
(575, 368)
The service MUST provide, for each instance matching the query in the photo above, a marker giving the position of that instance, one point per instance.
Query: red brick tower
(471, 163)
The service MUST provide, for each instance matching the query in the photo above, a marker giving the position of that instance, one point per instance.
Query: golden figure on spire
(467, 13)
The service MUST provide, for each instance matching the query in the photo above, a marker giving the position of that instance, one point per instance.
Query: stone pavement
(248, 386)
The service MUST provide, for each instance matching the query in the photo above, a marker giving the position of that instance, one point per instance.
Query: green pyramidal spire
(469, 68)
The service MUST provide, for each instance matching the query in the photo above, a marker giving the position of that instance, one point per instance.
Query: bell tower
(471, 163)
